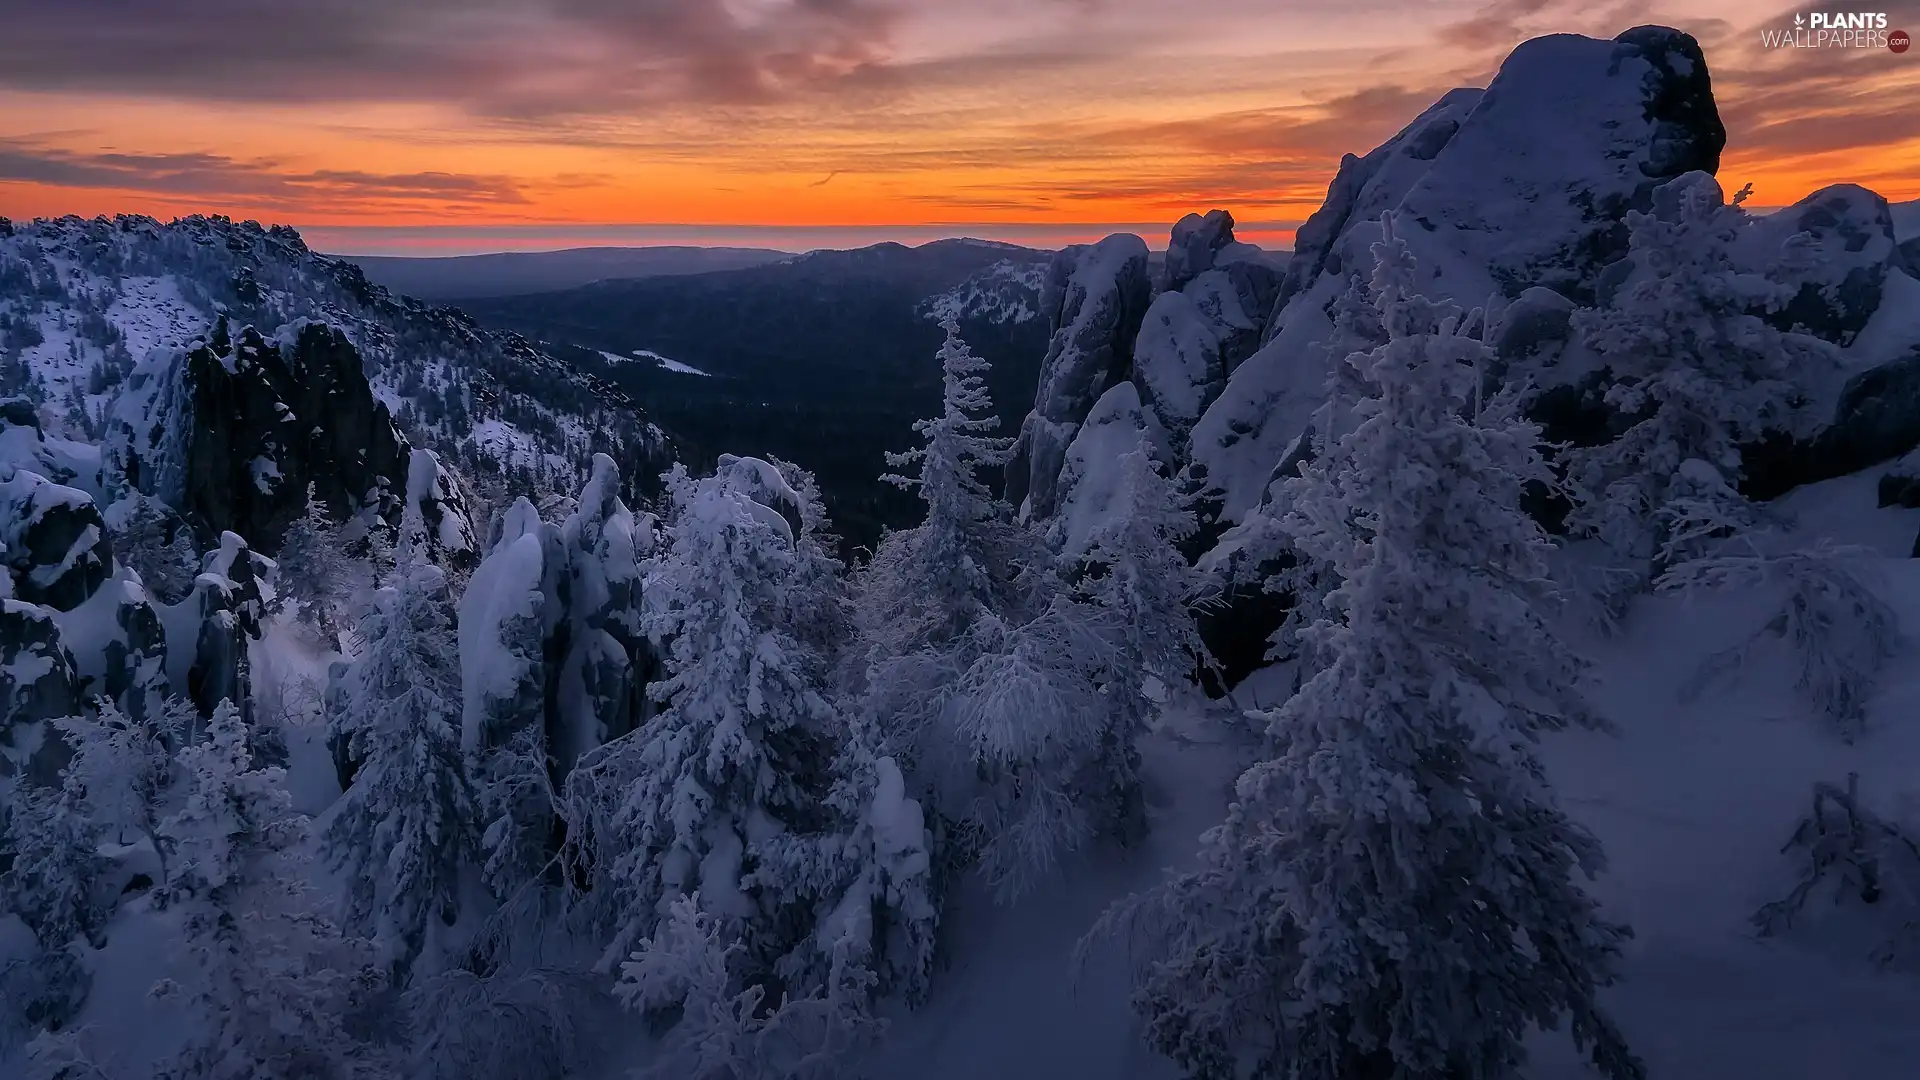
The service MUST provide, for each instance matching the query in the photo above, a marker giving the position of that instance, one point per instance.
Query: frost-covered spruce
(1394, 895)
(739, 747)
(123, 767)
(927, 585)
(52, 882)
(1698, 372)
(272, 982)
(312, 566)
(1142, 585)
(863, 881)
(404, 829)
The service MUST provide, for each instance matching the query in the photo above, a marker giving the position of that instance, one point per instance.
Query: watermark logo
(1837, 30)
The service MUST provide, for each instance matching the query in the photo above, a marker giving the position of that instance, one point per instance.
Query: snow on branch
(1865, 856)
(1840, 633)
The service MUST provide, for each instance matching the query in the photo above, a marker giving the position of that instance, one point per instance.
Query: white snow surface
(505, 587)
(1091, 477)
(1906, 220)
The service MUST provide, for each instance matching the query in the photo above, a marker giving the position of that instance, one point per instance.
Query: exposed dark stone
(1878, 418)
(1900, 484)
(256, 427)
(1688, 133)
(229, 601)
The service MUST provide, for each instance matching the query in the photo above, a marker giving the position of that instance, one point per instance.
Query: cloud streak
(214, 175)
(497, 57)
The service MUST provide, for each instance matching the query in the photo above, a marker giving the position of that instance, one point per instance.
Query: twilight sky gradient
(447, 126)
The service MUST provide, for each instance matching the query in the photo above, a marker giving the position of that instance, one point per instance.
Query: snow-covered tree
(823, 615)
(53, 881)
(1695, 373)
(866, 877)
(404, 830)
(726, 1029)
(313, 570)
(156, 543)
(507, 1025)
(123, 767)
(927, 585)
(1361, 911)
(273, 985)
(1143, 586)
(741, 743)
(1018, 758)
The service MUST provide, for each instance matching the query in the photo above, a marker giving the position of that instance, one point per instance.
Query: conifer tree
(313, 566)
(273, 984)
(1141, 586)
(1361, 913)
(405, 827)
(1696, 372)
(740, 742)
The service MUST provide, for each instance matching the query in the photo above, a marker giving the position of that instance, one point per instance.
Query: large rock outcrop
(230, 433)
(1852, 236)
(1094, 297)
(549, 627)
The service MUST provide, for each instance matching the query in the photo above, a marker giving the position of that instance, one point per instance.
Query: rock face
(549, 627)
(120, 646)
(433, 498)
(1877, 418)
(1094, 297)
(230, 433)
(1091, 478)
(1852, 229)
(1366, 187)
(228, 603)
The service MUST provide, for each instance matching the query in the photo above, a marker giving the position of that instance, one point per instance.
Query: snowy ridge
(1006, 292)
(82, 301)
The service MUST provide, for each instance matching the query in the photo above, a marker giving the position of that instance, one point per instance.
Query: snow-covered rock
(119, 645)
(38, 683)
(227, 604)
(1094, 298)
(549, 627)
(56, 547)
(1090, 475)
(1197, 239)
(1853, 233)
(434, 497)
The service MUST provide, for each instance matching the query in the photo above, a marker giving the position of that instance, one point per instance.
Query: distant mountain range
(516, 273)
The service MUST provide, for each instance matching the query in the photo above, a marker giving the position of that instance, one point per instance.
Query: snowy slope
(1906, 220)
(101, 295)
(1692, 801)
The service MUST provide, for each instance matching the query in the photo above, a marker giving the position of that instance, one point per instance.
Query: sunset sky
(446, 126)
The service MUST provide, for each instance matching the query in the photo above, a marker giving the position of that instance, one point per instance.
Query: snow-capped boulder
(433, 498)
(549, 626)
(1090, 475)
(120, 645)
(1533, 330)
(38, 683)
(1196, 240)
(24, 444)
(1365, 187)
(1094, 298)
(230, 433)
(1876, 419)
(1178, 368)
(1853, 233)
(56, 547)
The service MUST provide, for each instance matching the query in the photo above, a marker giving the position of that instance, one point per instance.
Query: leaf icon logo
(1799, 20)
